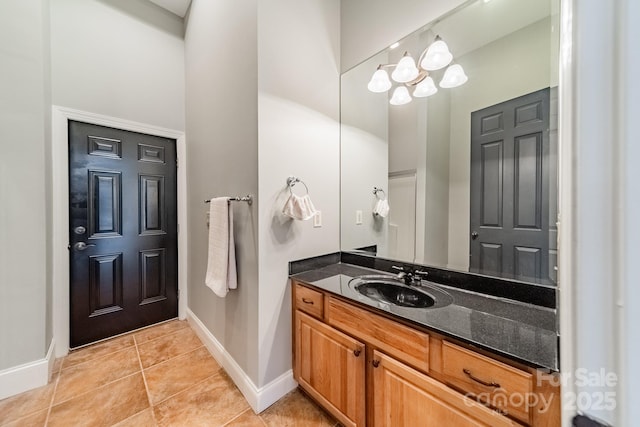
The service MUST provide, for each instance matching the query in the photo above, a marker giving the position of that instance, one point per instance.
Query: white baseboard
(25, 377)
(259, 398)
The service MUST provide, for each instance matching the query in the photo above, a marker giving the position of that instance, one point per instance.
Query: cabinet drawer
(501, 386)
(309, 301)
(399, 341)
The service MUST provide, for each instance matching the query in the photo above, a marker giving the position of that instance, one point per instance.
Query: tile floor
(159, 376)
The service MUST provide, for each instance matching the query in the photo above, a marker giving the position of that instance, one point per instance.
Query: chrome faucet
(410, 275)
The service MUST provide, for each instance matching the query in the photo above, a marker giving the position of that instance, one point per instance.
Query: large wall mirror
(469, 172)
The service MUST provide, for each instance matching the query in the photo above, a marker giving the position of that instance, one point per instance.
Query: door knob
(474, 235)
(81, 246)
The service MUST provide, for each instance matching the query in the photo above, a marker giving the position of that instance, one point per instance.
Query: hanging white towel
(381, 208)
(299, 207)
(221, 265)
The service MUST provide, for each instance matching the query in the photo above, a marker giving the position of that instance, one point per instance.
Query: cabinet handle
(375, 363)
(307, 301)
(357, 352)
(478, 380)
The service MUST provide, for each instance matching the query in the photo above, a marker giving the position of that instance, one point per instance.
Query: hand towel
(299, 207)
(381, 208)
(221, 265)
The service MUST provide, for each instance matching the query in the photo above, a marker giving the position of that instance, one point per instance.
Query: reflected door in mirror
(510, 160)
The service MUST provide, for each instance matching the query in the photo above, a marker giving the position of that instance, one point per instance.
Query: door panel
(510, 170)
(122, 231)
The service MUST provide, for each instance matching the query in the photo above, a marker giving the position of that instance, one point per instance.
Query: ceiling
(177, 7)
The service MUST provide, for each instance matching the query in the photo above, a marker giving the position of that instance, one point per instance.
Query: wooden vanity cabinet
(371, 370)
(404, 397)
(330, 366)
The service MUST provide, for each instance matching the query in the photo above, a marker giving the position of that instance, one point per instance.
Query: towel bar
(248, 198)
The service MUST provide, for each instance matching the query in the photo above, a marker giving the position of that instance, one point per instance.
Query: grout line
(55, 389)
(96, 388)
(239, 415)
(102, 356)
(98, 357)
(144, 380)
(163, 335)
(188, 388)
(177, 355)
(159, 338)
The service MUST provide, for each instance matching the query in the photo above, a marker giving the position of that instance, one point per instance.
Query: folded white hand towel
(382, 208)
(221, 265)
(299, 207)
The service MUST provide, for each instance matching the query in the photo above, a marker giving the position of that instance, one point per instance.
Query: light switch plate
(317, 219)
(358, 217)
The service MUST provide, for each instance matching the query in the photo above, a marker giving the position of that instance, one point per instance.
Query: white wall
(368, 26)
(298, 115)
(24, 134)
(222, 160)
(120, 58)
(436, 216)
(509, 67)
(364, 150)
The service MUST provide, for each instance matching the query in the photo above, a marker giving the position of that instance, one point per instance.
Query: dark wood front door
(510, 169)
(122, 231)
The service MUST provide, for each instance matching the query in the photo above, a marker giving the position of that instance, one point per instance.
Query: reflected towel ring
(377, 190)
(292, 181)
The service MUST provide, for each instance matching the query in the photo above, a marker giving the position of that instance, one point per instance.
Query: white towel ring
(377, 190)
(292, 181)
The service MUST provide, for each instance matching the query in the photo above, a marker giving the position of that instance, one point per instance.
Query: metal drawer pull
(356, 353)
(307, 301)
(478, 380)
(375, 363)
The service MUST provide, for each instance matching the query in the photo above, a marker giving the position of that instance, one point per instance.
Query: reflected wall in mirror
(490, 209)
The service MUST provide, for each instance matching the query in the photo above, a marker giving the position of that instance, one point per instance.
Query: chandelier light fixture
(409, 75)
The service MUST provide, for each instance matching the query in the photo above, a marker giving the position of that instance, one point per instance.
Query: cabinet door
(403, 396)
(330, 365)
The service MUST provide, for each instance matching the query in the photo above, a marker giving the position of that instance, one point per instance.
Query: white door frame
(60, 210)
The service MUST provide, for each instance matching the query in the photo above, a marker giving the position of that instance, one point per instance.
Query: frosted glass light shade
(454, 76)
(425, 88)
(437, 56)
(400, 96)
(406, 70)
(379, 82)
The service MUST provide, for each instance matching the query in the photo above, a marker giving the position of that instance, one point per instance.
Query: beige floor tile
(95, 373)
(296, 410)
(34, 420)
(97, 350)
(104, 406)
(175, 375)
(212, 402)
(168, 346)
(142, 419)
(154, 332)
(247, 419)
(27, 403)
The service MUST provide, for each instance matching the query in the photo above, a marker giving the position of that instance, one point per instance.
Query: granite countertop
(521, 331)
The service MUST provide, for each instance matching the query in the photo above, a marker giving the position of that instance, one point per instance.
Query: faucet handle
(395, 267)
(421, 273)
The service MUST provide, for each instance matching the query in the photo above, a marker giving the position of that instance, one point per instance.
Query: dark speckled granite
(531, 293)
(312, 263)
(524, 332)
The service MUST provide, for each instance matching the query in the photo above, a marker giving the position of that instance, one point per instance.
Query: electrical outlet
(358, 217)
(317, 219)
